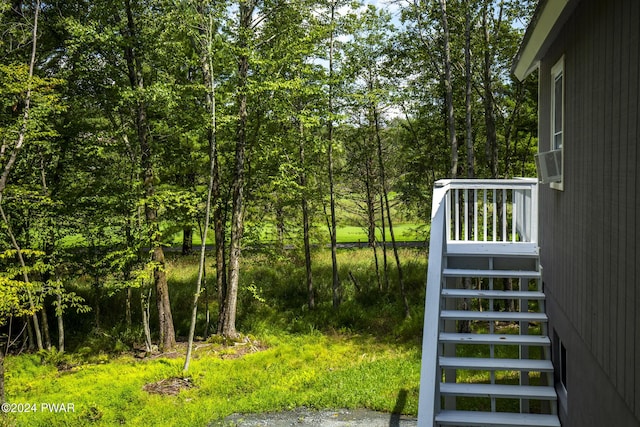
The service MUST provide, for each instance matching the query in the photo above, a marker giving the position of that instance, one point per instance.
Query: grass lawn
(283, 372)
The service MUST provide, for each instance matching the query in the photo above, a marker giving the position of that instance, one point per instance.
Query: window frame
(558, 70)
(560, 370)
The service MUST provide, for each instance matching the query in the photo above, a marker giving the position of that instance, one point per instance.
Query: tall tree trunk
(30, 342)
(207, 313)
(246, 9)
(385, 262)
(280, 227)
(489, 113)
(306, 224)
(221, 263)
(468, 81)
(465, 325)
(60, 320)
(206, 65)
(145, 303)
(221, 266)
(453, 141)
(49, 245)
(213, 154)
(383, 179)
(371, 217)
(332, 202)
(508, 134)
(127, 307)
(127, 271)
(187, 240)
(45, 328)
(134, 65)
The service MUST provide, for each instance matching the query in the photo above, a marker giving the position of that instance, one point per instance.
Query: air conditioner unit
(549, 165)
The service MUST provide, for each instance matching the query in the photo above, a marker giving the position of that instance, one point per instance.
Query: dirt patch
(242, 348)
(169, 386)
(222, 348)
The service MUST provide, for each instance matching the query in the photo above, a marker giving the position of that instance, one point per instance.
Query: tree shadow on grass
(401, 401)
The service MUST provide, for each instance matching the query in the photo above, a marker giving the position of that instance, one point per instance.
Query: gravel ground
(310, 418)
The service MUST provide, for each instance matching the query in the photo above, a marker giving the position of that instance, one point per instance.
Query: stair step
(507, 339)
(493, 249)
(486, 294)
(499, 391)
(464, 272)
(492, 364)
(473, 418)
(501, 316)
(472, 262)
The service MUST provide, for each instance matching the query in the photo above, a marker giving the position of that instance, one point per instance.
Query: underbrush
(272, 297)
(273, 294)
(285, 372)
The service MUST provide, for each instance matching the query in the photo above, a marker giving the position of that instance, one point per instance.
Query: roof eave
(545, 20)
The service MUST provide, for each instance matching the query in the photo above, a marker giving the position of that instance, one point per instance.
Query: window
(563, 366)
(560, 365)
(557, 116)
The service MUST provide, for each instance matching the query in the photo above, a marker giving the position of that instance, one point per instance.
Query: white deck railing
(496, 210)
(470, 216)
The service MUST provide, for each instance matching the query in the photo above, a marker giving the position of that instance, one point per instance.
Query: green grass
(404, 232)
(312, 370)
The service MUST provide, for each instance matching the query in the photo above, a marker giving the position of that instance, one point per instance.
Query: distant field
(403, 233)
(408, 232)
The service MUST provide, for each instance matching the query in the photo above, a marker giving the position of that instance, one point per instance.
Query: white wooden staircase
(484, 276)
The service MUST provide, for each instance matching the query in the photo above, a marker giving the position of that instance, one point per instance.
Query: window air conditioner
(549, 166)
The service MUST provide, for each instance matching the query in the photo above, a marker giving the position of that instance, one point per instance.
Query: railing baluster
(513, 215)
(495, 217)
(457, 215)
(466, 214)
(503, 203)
(475, 215)
(448, 231)
(485, 209)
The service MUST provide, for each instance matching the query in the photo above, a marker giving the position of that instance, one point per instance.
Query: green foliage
(58, 359)
(315, 371)
(45, 103)
(281, 302)
(17, 296)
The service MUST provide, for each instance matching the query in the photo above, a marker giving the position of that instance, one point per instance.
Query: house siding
(589, 231)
